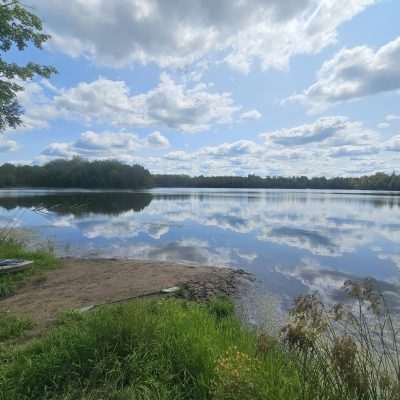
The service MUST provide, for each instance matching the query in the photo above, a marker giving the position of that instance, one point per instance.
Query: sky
(215, 87)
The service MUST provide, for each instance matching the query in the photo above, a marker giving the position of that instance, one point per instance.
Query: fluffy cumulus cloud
(393, 144)
(309, 149)
(171, 104)
(123, 146)
(392, 117)
(182, 32)
(329, 146)
(7, 145)
(354, 73)
(390, 121)
(157, 140)
(252, 114)
(328, 131)
(35, 103)
(231, 150)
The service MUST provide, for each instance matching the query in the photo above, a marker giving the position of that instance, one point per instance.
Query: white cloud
(354, 73)
(390, 120)
(59, 150)
(393, 144)
(328, 131)
(170, 104)
(179, 33)
(178, 155)
(7, 145)
(231, 150)
(312, 149)
(123, 146)
(36, 106)
(251, 115)
(92, 141)
(392, 117)
(354, 151)
(157, 140)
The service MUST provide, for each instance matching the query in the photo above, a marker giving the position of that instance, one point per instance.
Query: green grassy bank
(43, 260)
(174, 349)
(178, 349)
(158, 349)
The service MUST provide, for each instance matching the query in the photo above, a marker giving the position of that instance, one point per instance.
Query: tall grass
(173, 349)
(347, 351)
(12, 327)
(148, 350)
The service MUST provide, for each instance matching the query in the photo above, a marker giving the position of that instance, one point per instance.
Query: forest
(379, 181)
(76, 173)
(108, 174)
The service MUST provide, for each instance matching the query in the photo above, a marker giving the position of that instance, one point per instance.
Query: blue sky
(271, 87)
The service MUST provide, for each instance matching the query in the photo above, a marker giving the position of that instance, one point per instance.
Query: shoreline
(80, 284)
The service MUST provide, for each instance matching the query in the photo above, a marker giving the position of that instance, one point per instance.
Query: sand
(80, 283)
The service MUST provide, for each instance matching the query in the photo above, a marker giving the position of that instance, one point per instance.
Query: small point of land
(80, 283)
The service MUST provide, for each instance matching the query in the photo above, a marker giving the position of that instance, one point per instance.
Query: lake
(293, 241)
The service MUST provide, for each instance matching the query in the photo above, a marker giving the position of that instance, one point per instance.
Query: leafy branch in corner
(19, 28)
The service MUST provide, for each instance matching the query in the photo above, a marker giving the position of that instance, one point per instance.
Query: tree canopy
(379, 181)
(110, 174)
(19, 28)
(76, 173)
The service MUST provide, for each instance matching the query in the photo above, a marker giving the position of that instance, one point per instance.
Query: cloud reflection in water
(292, 240)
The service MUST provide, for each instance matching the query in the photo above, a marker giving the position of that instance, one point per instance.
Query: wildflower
(235, 374)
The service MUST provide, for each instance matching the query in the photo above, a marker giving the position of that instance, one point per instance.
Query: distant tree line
(80, 173)
(76, 173)
(379, 181)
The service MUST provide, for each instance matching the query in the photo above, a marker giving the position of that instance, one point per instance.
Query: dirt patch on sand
(84, 282)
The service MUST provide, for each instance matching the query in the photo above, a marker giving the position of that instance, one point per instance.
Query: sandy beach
(80, 283)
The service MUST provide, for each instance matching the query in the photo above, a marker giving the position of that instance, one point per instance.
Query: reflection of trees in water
(391, 202)
(80, 204)
(381, 200)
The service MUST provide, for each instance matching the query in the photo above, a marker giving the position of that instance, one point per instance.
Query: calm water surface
(293, 241)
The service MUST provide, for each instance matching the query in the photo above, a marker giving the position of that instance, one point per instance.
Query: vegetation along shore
(136, 79)
(102, 329)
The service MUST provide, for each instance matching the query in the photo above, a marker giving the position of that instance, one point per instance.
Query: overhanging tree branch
(19, 28)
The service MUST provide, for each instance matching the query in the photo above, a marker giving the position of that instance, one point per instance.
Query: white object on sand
(171, 289)
(87, 308)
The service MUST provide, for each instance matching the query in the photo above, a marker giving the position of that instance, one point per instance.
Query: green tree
(19, 28)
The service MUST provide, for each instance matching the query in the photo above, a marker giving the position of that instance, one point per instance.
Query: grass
(346, 351)
(43, 260)
(175, 349)
(12, 327)
(168, 349)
